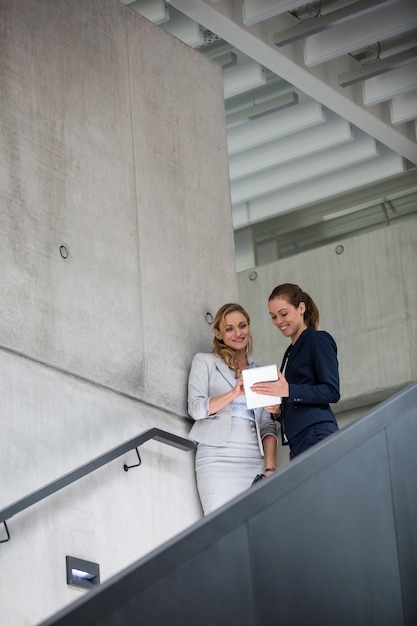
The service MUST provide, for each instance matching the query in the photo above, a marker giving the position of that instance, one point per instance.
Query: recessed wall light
(80, 573)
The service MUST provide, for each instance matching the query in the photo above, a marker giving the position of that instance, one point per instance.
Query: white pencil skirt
(223, 472)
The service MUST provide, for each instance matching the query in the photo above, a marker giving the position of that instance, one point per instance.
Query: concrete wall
(112, 240)
(367, 298)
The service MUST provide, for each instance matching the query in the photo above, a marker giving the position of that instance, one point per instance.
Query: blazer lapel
(227, 374)
(299, 343)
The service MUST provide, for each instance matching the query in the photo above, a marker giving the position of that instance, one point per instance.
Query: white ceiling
(321, 113)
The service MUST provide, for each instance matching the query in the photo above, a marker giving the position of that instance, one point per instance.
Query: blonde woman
(234, 443)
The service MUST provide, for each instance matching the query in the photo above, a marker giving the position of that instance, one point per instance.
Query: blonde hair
(228, 355)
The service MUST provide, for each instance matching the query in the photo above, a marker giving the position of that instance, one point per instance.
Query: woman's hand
(275, 409)
(274, 388)
(239, 388)
(219, 402)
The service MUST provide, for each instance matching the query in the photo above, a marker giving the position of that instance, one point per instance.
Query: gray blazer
(209, 377)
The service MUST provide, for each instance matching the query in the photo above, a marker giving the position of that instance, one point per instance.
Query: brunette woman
(309, 374)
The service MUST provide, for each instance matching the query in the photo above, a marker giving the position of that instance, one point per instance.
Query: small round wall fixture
(64, 252)
(209, 318)
(253, 275)
(339, 249)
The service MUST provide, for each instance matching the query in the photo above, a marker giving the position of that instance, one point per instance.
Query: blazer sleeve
(324, 373)
(267, 425)
(198, 388)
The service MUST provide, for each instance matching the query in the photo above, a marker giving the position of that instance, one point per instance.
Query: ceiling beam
(397, 82)
(334, 131)
(308, 168)
(241, 77)
(376, 68)
(306, 28)
(255, 11)
(281, 124)
(403, 186)
(388, 20)
(261, 109)
(222, 19)
(318, 190)
(403, 108)
(156, 11)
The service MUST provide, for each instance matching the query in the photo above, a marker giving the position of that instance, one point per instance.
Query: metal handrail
(81, 471)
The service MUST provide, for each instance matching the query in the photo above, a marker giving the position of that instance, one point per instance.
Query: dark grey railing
(34, 497)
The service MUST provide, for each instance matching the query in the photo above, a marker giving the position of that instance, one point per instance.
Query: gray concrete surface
(116, 239)
(106, 147)
(367, 297)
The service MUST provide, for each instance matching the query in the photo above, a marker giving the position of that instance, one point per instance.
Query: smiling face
(234, 331)
(287, 318)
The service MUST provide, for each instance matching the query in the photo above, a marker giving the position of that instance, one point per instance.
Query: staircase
(330, 540)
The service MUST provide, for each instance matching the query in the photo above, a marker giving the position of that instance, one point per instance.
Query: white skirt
(223, 472)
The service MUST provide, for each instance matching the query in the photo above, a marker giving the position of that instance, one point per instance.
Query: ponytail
(294, 295)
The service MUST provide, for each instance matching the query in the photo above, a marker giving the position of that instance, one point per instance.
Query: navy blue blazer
(312, 372)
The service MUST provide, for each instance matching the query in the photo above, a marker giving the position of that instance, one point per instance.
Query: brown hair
(293, 294)
(228, 355)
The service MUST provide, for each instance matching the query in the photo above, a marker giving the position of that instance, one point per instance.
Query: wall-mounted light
(80, 573)
(209, 318)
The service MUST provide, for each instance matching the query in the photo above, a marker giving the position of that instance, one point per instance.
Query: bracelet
(271, 469)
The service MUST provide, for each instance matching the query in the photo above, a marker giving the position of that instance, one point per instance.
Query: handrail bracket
(170, 439)
(128, 467)
(7, 533)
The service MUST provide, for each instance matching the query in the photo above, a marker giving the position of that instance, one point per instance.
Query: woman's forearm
(219, 402)
(269, 443)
